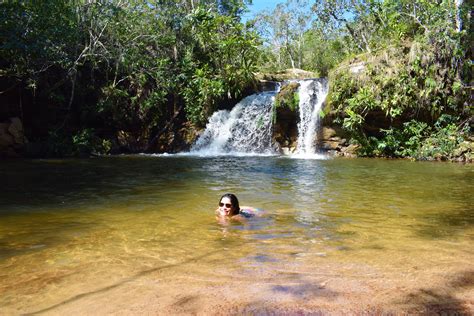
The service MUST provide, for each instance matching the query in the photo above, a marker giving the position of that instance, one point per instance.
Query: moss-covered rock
(288, 96)
(285, 115)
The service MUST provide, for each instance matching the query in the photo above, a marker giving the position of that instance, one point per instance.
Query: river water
(137, 234)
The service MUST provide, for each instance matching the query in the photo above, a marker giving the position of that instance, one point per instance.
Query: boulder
(330, 145)
(267, 85)
(285, 129)
(327, 133)
(357, 67)
(6, 139)
(350, 150)
(16, 130)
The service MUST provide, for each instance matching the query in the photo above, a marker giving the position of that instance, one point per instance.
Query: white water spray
(312, 95)
(247, 129)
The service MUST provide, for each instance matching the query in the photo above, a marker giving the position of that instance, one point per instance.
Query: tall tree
(284, 29)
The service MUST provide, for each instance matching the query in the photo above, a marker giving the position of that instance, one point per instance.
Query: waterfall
(247, 129)
(312, 94)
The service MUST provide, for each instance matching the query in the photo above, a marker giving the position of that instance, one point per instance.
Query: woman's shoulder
(248, 211)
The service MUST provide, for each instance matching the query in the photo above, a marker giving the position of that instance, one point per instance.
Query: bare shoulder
(252, 211)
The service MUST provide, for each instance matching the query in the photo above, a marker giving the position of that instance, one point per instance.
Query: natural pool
(133, 235)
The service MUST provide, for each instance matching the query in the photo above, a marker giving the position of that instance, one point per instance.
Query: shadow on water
(434, 301)
(56, 184)
(454, 212)
(45, 202)
(447, 224)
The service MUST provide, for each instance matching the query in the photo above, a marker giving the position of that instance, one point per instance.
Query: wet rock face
(332, 139)
(177, 139)
(267, 85)
(286, 117)
(128, 142)
(285, 129)
(12, 138)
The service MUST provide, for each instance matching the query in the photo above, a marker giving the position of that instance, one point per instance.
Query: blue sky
(260, 5)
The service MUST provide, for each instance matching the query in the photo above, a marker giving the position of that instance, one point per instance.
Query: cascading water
(312, 94)
(247, 129)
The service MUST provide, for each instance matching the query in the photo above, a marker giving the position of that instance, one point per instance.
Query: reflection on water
(70, 229)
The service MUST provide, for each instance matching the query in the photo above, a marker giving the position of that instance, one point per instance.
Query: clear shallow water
(75, 232)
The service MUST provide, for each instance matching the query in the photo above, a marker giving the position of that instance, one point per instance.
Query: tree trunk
(351, 32)
(288, 48)
(458, 15)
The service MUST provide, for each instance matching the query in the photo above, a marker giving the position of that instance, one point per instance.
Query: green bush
(420, 98)
(81, 143)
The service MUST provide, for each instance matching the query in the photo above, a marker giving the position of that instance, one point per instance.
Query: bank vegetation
(83, 77)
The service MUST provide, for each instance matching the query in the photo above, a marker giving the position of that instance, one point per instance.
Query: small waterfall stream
(312, 95)
(247, 128)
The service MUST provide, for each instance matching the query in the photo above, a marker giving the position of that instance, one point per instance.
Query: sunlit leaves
(224, 56)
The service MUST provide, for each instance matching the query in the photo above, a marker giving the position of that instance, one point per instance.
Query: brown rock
(330, 145)
(327, 133)
(351, 149)
(16, 130)
(285, 129)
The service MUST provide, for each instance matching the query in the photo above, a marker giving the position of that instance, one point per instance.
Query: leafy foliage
(80, 72)
(397, 103)
(110, 66)
(288, 96)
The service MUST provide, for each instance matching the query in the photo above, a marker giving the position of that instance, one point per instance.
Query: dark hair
(233, 200)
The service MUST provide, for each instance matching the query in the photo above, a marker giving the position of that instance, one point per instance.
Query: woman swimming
(229, 208)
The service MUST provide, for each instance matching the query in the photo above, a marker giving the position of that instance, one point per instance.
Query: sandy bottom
(271, 289)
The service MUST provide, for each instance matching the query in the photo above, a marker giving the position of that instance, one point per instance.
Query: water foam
(312, 95)
(246, 130)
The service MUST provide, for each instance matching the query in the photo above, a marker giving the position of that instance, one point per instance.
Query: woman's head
(229, 205)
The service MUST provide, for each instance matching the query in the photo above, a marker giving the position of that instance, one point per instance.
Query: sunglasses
(226, 205)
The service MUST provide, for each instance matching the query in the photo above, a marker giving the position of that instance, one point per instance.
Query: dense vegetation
(400, 71)
(82, 75)
(91, 76)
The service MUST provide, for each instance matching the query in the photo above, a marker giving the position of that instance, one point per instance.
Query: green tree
(284, 31)
(103, 68)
